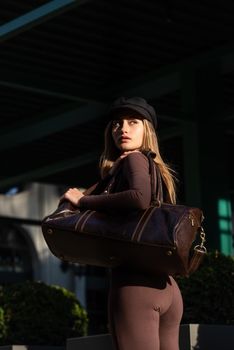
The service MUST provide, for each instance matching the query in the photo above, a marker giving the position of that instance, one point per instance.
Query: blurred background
(62, 63)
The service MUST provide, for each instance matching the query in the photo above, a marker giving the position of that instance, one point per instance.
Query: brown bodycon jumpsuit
(144, 311)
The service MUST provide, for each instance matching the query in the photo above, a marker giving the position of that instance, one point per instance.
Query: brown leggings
(144, 316)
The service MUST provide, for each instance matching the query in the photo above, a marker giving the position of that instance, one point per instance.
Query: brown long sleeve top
(130, 190)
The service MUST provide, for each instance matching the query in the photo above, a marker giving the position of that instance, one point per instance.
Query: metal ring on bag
(200, 248)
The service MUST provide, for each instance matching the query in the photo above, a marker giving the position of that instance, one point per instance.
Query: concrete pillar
(206, 155)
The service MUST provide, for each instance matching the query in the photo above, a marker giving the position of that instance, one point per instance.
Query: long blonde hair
(150, 142)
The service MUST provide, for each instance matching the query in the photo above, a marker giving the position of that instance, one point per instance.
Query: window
(15, 258)
(225, 226)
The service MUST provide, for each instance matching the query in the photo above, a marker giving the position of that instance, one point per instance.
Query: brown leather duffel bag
(162, 238)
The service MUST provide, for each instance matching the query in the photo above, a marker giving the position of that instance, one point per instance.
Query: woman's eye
(115, 124)
(133, 121)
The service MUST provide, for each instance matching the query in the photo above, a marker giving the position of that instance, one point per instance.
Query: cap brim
(132, 110)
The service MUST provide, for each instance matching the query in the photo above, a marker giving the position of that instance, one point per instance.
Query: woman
(144, 310)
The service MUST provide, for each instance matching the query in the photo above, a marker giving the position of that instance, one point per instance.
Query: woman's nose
(124, 126)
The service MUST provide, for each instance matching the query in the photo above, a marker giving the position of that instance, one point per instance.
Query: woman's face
(127, 133)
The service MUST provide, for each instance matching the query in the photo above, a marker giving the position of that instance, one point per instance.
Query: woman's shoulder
(136, 160)
(136, 156)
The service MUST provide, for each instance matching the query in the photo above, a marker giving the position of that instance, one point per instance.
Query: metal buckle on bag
(200, 247)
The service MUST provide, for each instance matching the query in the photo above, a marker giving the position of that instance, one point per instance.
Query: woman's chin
(124, 148)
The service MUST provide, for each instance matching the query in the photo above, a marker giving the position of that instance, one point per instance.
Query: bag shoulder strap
(156, 180)
(111, 176)
(199, 251)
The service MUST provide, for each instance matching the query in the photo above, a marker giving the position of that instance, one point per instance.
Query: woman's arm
(138, 193)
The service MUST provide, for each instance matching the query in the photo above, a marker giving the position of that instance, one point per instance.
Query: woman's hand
(73, 195)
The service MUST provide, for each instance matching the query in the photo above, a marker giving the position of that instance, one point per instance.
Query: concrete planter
(92, 342)
(206, 337)
(192, 337)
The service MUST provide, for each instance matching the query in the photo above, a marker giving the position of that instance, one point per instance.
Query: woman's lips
(124, 139)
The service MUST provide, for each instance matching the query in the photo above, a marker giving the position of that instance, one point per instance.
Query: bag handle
(156, 180)
(156, 200)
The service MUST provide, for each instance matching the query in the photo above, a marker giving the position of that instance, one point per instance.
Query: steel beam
(37, 16)
(37, 174)
(44, 127)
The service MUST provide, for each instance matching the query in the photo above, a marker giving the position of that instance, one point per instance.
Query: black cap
(135, 104)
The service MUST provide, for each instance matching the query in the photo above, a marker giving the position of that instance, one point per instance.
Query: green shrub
(2, 325)
(38, 314)
(208, 294)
